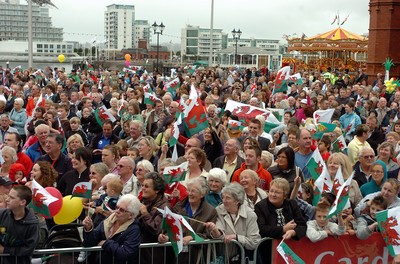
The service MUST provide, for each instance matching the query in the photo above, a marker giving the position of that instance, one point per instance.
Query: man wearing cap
(5, 185)
(19, 226)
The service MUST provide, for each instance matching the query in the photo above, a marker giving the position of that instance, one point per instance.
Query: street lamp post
(158, 29)
(236, 37)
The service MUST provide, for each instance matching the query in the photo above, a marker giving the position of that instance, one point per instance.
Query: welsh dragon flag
(172, 86)
(82, 190)
(175, 132)
(150, 98)
(323, 115)
(296, 78)
(350, 128)
(322, 184)
(342, 198)
(338, 181)
(281, 80)
(316, 164)
(234, 125)
(173, 224)
(389, 226)
(195, 118)
(147, 88)
(288, 254)
(39, 102)
(323, 128)
(246, 112)
(103, 114)
(175, 173)
(17, 69)
(41, 199)
(339, 145)
(278, 113)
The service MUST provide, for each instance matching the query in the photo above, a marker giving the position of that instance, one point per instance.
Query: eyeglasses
(120, 166)
(368, 156)
(121, 210)
(275, 192)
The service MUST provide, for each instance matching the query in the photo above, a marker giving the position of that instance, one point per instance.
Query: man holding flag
(20, 227)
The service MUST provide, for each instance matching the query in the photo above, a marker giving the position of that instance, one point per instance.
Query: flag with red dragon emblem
(103, 114)
(322, 184)
(82, 190)
(342, 198)
(175, 173)
(172, 86)
(390, 229)
(41, 199)
(315, 164)
(172, 223)
(195, 117)
(288, 254)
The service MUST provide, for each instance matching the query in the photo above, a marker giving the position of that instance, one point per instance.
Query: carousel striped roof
(338, 34)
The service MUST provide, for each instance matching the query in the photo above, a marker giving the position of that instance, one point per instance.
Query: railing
(211, 251)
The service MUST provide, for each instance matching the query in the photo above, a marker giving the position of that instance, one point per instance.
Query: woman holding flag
(199, 212)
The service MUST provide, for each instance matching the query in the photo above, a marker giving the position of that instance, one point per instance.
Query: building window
(192, 33)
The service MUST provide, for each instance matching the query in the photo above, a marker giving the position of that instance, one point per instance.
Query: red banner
(344, 250)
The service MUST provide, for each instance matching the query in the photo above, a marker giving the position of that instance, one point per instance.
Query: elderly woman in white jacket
(236, 221)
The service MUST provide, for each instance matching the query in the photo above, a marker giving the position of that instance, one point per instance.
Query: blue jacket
(122, 246)
(19, 119)
(35, 151)
(346, 119)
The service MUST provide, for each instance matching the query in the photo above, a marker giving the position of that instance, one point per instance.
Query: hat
(14, 168)
(73, 70)
(5, 181)
(303, 101)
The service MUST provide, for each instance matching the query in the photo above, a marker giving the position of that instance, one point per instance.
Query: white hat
(303, 101)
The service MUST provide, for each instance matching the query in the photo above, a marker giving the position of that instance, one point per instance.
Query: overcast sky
(255, 18)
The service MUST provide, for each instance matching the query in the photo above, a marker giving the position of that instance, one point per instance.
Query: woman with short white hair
(216, 181)
(123, 245)
(142, 168)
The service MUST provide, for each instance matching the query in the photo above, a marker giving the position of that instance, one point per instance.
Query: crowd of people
(240, 185)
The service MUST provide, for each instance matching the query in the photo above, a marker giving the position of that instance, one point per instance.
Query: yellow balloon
(70, 210)
(61, 58)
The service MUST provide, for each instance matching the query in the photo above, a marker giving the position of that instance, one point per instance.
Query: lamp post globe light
(158, 29)
(236, 37)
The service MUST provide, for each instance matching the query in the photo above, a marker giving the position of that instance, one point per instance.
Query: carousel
(337, 48)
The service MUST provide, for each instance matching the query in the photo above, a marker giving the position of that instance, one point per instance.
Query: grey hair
(100, 168)
(12, 152)
(133, 203)
(165, 162)
(139, 123)
(19, 101)
(364, 149)
(109, 177)
(200, 183)
(251, 173)
(218, 174)
(130, 161)
(235, 190)
(146, 165)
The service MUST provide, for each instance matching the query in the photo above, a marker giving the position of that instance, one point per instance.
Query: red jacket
(264, 175)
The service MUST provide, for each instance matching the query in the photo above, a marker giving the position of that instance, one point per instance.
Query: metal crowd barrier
(211, 252)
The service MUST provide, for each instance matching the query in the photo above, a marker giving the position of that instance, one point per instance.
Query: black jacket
(219, 162)
(20, 238)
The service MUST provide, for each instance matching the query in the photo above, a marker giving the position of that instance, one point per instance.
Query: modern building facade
(119, 26)
(14, 23)
(142, 32)
(195, 43)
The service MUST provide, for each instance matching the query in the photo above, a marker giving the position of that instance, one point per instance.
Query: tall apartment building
(121, 29)
(14, 23)
(119, 26)
(142, 31)
(195, 41)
